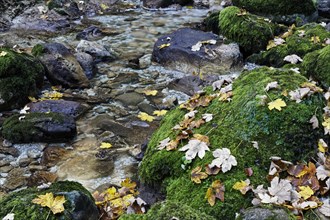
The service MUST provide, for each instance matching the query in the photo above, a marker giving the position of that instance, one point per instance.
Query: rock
(71, 108)
(10, 9)
(40, 177)
(323, 7)
(175, 51)
(317, 66)
(87, 63)
(52, 155)
(164, 3)
(21, 76)
(249, 31)
(65, 7)
(63, 68)
(15, 179)
(79, 203)
(298, 43)
(98, 51)
(9, 150)
(130, 98)
(265, 213)
(146, 107)
(235, 124)
(145, 61)
(277, 7)
(6, 169)
(39, 127)
(95, 33)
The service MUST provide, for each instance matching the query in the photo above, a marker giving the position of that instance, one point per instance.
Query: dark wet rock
(39, 127)
(124, 78)
(98, 51)
(52, 155)
(63, 68)
(72, 108)
(201, 3)
(164, 3)
(146, 107)
(87, 63)
(175, 51)
(16, 178)
(95, 33)
(9, 150)
(79, 203)
(265, 213)
(40, 177)
(130, 99)
(10, 9)
(65, 7)
(324, 8)
(21, 76)
(4, 24)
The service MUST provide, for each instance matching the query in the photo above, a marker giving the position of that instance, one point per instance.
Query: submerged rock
(324, 8)
(180, 51)
(98, 51)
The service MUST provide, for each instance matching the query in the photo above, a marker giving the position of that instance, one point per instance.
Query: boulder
(96, 50)
(21, 76)
(63, 68)
(177, 51)
(323, 8)
(87, 63)
(65, 7)
(265, 213)
(164, 3)
(286, 133)
(79, 204)
(39, 127)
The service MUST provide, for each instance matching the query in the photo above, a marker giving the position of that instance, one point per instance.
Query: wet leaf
(305, 192)
(160, 112)
(314, 121)
(99, 198)
(216, 191)
(164, 46)
(145, 117)
(194, 148)
(48, 200)
(197, 175)
(150, 92)
(277, 104)
(105, 145)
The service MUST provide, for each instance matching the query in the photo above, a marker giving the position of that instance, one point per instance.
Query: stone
(86, 62)
(265, 213)
(68, 8)
(218, 58)
(52, 155)
(130, 98)
(164, 3)
(9, 150)
(63, 68)
(34, 168)
(40, 177)
(16, 178)
(96, 50)
(6, 169)
(145, 61)
(23, 162)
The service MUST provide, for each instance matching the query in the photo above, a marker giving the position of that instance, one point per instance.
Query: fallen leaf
(164, 46)
(322, 173)
(281, 189)
(326, 125)
(48, 200)
(298, 94)
(163, 143)
(271, 85)
(197, 175)
(212, 170)
(190, 114)
(325, 208)
(255, 144)
(216, 191)
(322, 146)
(194, 148)
(277, 104)
(293, 58)
(266, 198)
(248, 171)
(202, 138)
(160, 112)
(150, 92)
(207, 117)
(289, 32)
(104, 7)
(315, 39)
(223, 159)
(314, 121)
(243, 186)
(145, 117)
(9, 216)
(305, 192)
(3, 53)
(105, 145)
(304, 205)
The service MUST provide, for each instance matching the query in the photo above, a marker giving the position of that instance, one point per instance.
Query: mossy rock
(39, 127)
(286, 133)
(21, 75)
(170, 210)
(251, 32)
(317, 65)
(299, 43)
(211, 22)
(20, 203)
(277, 7)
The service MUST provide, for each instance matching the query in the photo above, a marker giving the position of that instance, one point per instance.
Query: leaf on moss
(105, 145)
(128, 183)
(326, 125)
(293, 58)
(305, 192)
(212, 170)
(163, 143)
(145, 117)
(48, 200)
(243, 186)
(255, 144)
(202, 138)
(223, 159)
(197, 175)
(298, 94)
(314, 121)
(322, 146)
(315, 39)
(9, 216)
(160, 112)
(216, 191)
(194, 148)
(277, 104)
(3, 53)
(150, 92)
(289, 32)
(207, 117)
(248, 171)
(281, 189)
(271, 85)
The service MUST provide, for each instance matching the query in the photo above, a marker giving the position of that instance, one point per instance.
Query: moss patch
(235, 124)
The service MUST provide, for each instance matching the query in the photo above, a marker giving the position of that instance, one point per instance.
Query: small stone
(23, 162)
(4, 163)
(6, 169)
(33, 168)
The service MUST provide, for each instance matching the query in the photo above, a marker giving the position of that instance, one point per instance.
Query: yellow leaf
(270, 44)
(48, 200)
(145, 117)
(105, 145)
(104, 7)
(150, 92)
(315, 39)
(322, 146)
(111, 194)
(32, 99)
(128, 183)
(240, 185)
(277, 104)
(197, 175)
(3, 53)
(305, 192)
(164, 46)
(160, 112)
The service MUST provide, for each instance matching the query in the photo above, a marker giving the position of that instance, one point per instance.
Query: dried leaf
(128, 183)
(271, 85)
(314, 121)
(322, 146)
(207, 117)
(105, 145)
(243, 186)
(223, 159)
(3, 53)
(150, 92)
(255, 144)
(145, 117)
(163, 143)
(197, 175)
(280, 189)
(48, 200)
(277, 104)
(248, 171)
(305, 192)
(9, 216)
(160, 112)
(326, 125)
(325, 208)
(315, 39)
(293, 58)
(194, 148)
(212, 170)
(216, 191)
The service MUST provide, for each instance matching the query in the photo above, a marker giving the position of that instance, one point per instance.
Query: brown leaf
(314, 121)
(197, 175)
(212, 170)
(201, 137)
(248, 171)
(216, 191)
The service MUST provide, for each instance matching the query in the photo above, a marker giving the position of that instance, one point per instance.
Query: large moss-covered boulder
(20, 77)
(317, 65)
(79, 204)
(277, 7)
(251, 32)
(303, 40)
(39, 127)
(235, 124)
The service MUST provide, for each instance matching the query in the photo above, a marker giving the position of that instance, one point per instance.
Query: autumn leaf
(271, 85)
(128, 184)
(104, 7)
(315, 39)
(322, 146)
(9, 216)
(150, 92)
(305, 192)
(197, 175)
(314, 121)
(3, 53)
(212, 170)
(202, 138)
(164, 46)
(325, 208)
(194, 148)
(277, 104)
(216, 191)
(255, 144)
(145, 117)
(223, 159)
(248, 171)
(99, 198)
(48, 200)
(242, 186)
(281, 189)
(326, 125)
(207, 117)
(163, 143)
(160, 112)
(105, 145)
(293, 58)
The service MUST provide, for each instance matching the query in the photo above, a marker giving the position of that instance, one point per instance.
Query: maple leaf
(163, 143)
(326, 125)
(325, 208)
(271, 85)
(111, 194)
(3, 53)
(48, 200)
(150, 92)
(190, 114)
(242, 186)
(160, 112)
(298, 94)
(314, 121)
(223, 159)
(216, 191)
(322, 173)
(128, 183)
(9, 216)
(281, 189)
(277, 104)
(207, 117)
(197, 175)
(194, 148)
(293, 58)
(212, 170)
(322, 146)
(266, 198)
(304, 205)
(305, 192)
(145, 117)
(105, 145)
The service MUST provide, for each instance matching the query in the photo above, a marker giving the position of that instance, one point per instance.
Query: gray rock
(324, 8)
(98, 51)
(86, 62)
(264, 213)
(164, 3)
(216, 58)
(130, 98)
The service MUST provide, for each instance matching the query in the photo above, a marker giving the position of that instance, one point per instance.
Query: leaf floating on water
(48, 200)
(277, 104)
(164, 46)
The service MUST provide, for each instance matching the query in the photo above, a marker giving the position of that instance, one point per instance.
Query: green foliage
(38, 50)
(212, 22)
(277, 7)
(251, 32)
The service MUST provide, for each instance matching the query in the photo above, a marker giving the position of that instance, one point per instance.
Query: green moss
(20, 76)
(38, 50)
(317, 66)
(25, 130)
(20, 203)
(211, 22)
(298, 43)
(251, 32)
(286, 133)
(277, 7)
